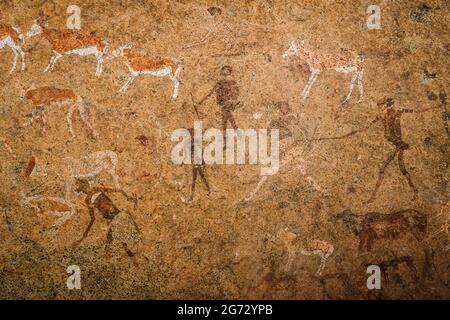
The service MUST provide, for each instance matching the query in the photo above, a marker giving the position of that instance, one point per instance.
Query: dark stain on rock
(421, 13)
(143, 140)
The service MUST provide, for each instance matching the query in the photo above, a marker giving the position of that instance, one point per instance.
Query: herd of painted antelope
(369, 227)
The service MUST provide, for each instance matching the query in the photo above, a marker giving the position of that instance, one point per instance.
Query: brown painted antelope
(12, 37)
(375, 226)
(140, 64)
(318, 63)
(394, 264)
(70, 42)
(46, 96)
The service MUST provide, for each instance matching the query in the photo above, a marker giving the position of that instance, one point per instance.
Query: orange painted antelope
(46, 96)
(140, 64)
(57, 207)
(70, 42)
(12, 37)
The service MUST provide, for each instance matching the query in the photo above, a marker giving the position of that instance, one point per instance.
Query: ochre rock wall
(307, 232)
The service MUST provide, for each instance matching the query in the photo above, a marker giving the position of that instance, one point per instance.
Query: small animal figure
(12, 37)
(44, 97)
(69, 42)
(318, 63)
(140, 64)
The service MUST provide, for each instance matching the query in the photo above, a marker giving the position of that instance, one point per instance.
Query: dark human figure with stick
(390, 118)
(227, 96)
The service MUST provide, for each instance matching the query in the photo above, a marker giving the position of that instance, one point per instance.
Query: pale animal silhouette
(7, 147)
(70, 42)
(140, 64)
(316, 247)
(318, 63)
(89, 167)
(295, 153)
(12, 37)
(55, 206)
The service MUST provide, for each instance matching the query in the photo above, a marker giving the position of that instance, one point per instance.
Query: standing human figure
(197, 169)
(226, 90)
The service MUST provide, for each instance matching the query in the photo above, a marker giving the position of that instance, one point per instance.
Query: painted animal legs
(18, 50)
(360, 86)
(129, 82)
(352, 84)
(176, 84)
(16, 55)
(311, 80)
(38, 113)
(63, 217)
(53, 59)
(84, 118)
(69, 120)
(112, 172)
(100, 63)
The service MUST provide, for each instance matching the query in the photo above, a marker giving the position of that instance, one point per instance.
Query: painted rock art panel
(224, 150)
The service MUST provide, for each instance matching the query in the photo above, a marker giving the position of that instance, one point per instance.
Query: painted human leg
(381, 174)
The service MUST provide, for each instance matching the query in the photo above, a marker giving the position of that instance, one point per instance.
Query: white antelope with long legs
(318, 63)
(316, 247)
(140, 64)
(70, 42)
(47, 96)
(12, 37)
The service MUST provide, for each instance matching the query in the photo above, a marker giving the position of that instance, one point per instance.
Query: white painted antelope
(12, 37)
(89, 167)
(318, 63)
(60, 208)
(316, 247)
(141, 64)
(47, 96)
(321, 248)
(69, 42)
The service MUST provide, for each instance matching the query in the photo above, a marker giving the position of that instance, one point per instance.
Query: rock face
(363, 145)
